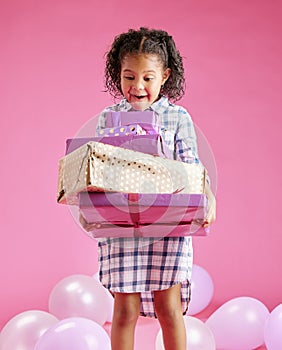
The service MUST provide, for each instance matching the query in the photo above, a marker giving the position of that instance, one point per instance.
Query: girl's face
(141, 79)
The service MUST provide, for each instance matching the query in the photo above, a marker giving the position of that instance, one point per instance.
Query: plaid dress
(145, 265)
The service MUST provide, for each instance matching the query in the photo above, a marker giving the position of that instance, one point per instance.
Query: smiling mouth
(139, 97)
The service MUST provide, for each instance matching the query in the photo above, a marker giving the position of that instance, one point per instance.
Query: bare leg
(169, 312)
(126, 312)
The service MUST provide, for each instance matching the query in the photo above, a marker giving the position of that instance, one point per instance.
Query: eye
(127, 77)
(148, 78)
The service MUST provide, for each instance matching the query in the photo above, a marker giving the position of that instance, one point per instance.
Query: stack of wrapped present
(126, 183)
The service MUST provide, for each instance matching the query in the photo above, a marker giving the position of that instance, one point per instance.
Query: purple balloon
(23, 331)
(202, 290)
(75, 333)
(273, 329)
(239, 324)
(80, 296)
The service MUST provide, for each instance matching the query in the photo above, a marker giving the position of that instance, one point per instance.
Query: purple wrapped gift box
(149, 144)
(146, 119)
(142, 215)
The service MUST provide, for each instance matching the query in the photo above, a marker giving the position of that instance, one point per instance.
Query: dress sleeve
(101, 124)
(186, 147)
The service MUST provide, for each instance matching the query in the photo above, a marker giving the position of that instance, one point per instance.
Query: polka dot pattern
(97, 166)
(133, 129)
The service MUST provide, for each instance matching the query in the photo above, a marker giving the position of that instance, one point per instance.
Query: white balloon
(202, 290)
(75, 333)
(79, 296)
(199, 336)
(110, 298)
(239, 324)
(23, 330)
(273, 329)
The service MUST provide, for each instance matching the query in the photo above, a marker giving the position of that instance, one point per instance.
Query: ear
(166, 75)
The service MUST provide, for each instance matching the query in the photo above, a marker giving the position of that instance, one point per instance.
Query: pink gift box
(149, 144)
(142, 215)
(146, 119)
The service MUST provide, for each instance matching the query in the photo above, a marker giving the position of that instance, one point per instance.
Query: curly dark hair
(147, 41)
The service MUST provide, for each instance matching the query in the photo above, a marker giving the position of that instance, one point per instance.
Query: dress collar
(158, 106)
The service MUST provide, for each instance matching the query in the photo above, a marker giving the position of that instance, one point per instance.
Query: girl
(152, 278)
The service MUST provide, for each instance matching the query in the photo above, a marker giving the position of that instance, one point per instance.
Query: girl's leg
(126, 312)
(169, 312)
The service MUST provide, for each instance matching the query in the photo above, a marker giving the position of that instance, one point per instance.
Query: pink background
(51, 85)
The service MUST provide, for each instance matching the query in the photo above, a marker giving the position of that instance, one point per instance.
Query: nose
(137, 84)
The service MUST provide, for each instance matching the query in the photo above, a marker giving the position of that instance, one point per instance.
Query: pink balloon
(273, 329)
(23, 331)
(199, 336)
(202, 290)
(239, 324)
(74, 333)
(80, 296)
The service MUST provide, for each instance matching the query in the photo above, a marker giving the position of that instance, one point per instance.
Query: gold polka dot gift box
(96, 166)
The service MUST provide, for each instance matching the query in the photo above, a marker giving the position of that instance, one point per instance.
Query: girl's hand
(211, 209)
(88, 227)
